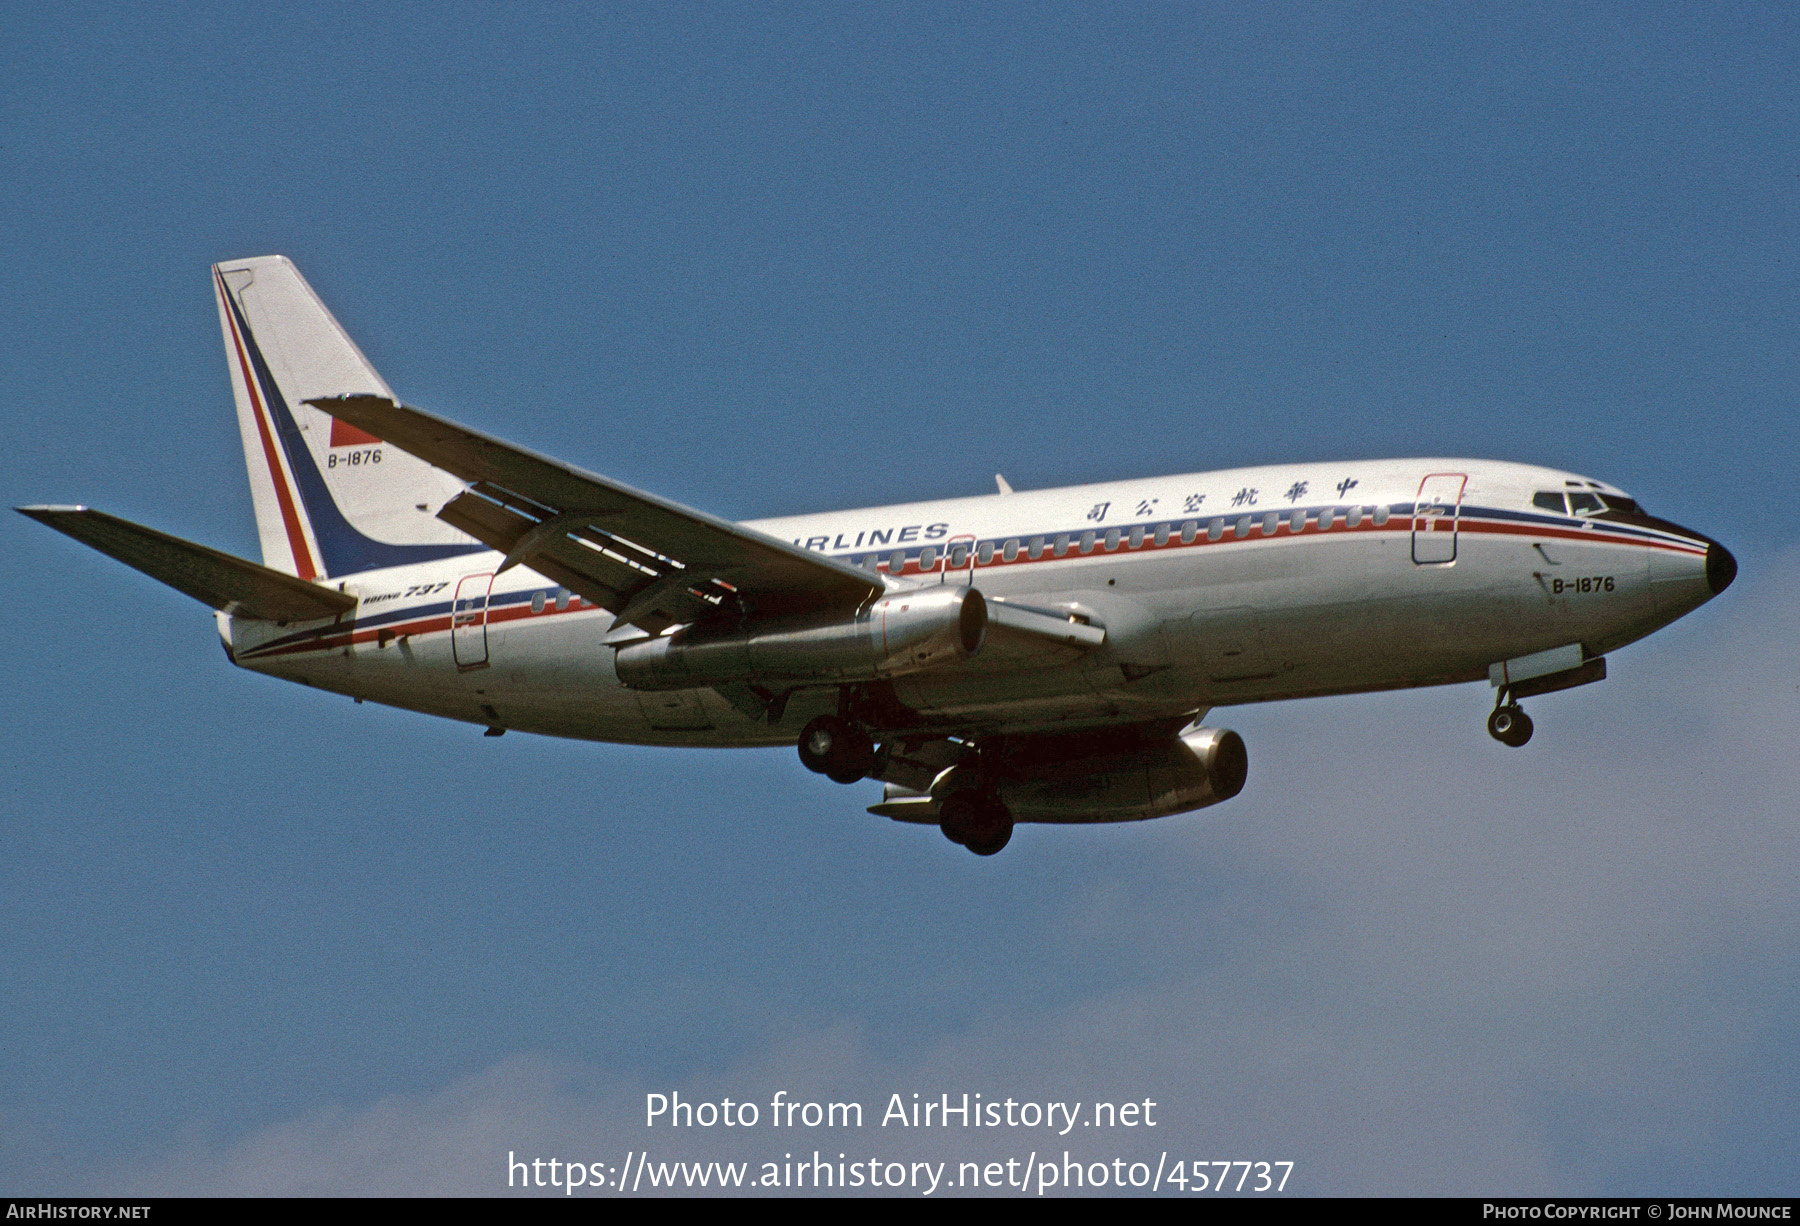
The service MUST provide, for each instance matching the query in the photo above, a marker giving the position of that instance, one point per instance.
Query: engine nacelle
(1199, 768)
(904, 632)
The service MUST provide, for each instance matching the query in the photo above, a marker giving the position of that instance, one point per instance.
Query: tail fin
(330, 499)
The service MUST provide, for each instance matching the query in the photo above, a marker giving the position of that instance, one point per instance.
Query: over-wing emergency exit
(1032, 656)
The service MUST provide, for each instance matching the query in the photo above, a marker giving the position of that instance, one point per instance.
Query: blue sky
(769, 259)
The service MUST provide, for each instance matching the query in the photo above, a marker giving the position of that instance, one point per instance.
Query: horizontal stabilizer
(218, 579)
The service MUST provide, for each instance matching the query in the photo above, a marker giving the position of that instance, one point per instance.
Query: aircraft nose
(1721, 567)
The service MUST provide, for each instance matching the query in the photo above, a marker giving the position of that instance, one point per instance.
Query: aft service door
(468, 621)
(1435, 513)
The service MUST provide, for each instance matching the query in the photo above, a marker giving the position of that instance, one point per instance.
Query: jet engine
(1200, 767)
(904, 632)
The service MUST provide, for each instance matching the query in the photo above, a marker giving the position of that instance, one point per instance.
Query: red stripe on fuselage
(284, 497)
(426, 625)
(429, 625)
(1590, 535)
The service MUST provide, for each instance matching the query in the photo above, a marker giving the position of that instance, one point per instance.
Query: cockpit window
(1580, 502)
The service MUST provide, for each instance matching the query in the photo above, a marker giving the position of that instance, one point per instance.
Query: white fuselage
(1214, 589)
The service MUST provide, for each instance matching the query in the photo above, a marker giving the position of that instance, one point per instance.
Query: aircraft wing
(208, 575)
(650, 562)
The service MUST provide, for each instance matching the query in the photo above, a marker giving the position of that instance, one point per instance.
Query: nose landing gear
(1509, 724)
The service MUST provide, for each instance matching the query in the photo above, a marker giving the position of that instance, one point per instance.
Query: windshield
(1585, 502)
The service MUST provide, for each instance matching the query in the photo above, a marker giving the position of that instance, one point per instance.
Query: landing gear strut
(837, 749)
(1509, 724)
(976, 820)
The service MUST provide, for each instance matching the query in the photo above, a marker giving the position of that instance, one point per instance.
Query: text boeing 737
(1018, 657)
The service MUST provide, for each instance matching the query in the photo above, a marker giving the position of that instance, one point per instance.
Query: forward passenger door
(1435, 514)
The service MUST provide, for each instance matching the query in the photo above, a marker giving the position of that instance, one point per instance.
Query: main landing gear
(1509, 724)
(836, 748)
(976, 820)
(971, 816)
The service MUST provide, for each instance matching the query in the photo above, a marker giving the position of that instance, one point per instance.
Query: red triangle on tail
(343, 434)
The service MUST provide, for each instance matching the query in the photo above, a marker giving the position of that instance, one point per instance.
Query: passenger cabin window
(959, 556)
(1137, 537)
(1549, 500)
(1162, 534)
(1010, 550)
(537, 602)
(1381, 515)
(986, 553)
(1189, 531)
(1215, 529)
(1112, 539)
(1037, 547)
(1297, 521)
(927, 558)
(897, 562)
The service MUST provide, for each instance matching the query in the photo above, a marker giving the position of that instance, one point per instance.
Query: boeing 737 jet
(1045, 656)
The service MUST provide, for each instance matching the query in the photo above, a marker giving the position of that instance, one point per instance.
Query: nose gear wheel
(1510, 725)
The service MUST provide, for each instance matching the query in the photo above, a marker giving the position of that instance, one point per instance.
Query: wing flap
(214, 578)
(626, 550)
(498, 527)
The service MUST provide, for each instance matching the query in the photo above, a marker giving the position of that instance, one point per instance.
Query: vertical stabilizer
(330, 499)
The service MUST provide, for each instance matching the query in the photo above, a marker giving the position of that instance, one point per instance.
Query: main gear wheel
(975, 820)
(837, 749)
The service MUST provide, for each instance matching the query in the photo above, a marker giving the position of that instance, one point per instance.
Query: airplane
(1038, 656)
